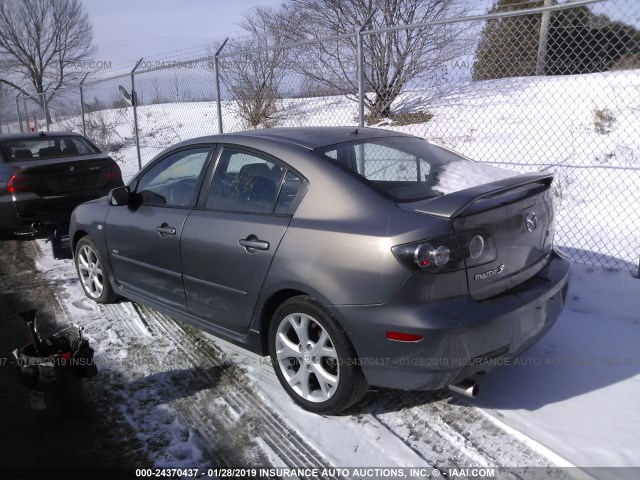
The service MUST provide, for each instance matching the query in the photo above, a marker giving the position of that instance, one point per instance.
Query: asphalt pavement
(79, 443)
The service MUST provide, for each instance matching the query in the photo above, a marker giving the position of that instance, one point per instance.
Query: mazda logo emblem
(530, 221)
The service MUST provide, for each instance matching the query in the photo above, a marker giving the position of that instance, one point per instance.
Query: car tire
(313, 358)
(92, 272)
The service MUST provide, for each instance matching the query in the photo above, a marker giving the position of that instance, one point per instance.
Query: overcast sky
(126, 30)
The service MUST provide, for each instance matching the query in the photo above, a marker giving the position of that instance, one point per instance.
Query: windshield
(409, 168)
(46, 147)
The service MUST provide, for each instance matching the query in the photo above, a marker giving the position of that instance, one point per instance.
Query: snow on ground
(139, 386)
(576, 391)
(522, 124)
(196, 400)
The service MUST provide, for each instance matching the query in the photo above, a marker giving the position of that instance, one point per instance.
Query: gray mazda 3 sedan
(351, 256)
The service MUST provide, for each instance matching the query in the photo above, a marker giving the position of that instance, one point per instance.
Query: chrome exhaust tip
(468, 388)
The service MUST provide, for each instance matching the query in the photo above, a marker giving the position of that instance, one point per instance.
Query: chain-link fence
(107, 119)
(281, 87)
(9, 122)
(554, 91)
(39, 112)
(175, 102)
(553, 88)
(30, 114)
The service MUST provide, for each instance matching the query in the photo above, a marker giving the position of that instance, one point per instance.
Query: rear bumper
(28, 209)
(461, 336)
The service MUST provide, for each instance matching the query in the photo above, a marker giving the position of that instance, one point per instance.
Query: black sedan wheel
(92, 272)
(313, 358)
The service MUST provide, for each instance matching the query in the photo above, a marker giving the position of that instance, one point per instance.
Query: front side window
(245, 182)
(172, 182)
(408, 169)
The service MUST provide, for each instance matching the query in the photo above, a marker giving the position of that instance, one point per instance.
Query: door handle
(165, 230)
(253, 243)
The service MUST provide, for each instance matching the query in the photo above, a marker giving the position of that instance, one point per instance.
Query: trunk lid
(515, 217)
(66, 175)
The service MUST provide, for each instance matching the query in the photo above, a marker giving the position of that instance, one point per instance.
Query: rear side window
(290, 189)
(408, 169)
(246, 182)
(46, 147)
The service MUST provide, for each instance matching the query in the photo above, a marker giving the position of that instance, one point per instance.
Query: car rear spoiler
(454, 204)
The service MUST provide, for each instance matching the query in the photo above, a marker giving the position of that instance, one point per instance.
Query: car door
(229, 241)
(143, 237)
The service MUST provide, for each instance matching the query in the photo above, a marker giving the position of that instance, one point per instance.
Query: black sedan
(44, 176)
(351, 256)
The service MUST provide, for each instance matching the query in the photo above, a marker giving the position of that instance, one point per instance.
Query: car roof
(34, 135)
(307, 137)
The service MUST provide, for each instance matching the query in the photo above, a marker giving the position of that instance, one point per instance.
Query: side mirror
(119, 196)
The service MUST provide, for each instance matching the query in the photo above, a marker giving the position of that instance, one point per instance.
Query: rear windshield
(408, 168)
(46, 147)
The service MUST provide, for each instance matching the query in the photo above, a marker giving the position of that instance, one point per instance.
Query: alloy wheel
(307, 357)
(90, 271)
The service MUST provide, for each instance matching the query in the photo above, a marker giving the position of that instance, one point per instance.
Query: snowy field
(194, 400)
(523, 124)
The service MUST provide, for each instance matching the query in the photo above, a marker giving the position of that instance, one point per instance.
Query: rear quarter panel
(338, 245)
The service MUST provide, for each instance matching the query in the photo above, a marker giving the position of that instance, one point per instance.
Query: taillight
(18, 183)
(477, 247)
(113, 173)
(471, 248)
(431, 255)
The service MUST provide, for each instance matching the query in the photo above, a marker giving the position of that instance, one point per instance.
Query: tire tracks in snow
(247, 412)
(449, 433)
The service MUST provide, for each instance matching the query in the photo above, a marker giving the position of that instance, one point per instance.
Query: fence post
(542, 43)
(26, 113)
(84, 125)
(217, 74)
(360, 66)
(46, 111)
(18, 112)
(360, 63)
(134, 104)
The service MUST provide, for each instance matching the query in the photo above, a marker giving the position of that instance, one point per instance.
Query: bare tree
(157, 97)
(41, 43)
(391, 60)
(178, 89)
(254, 79)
